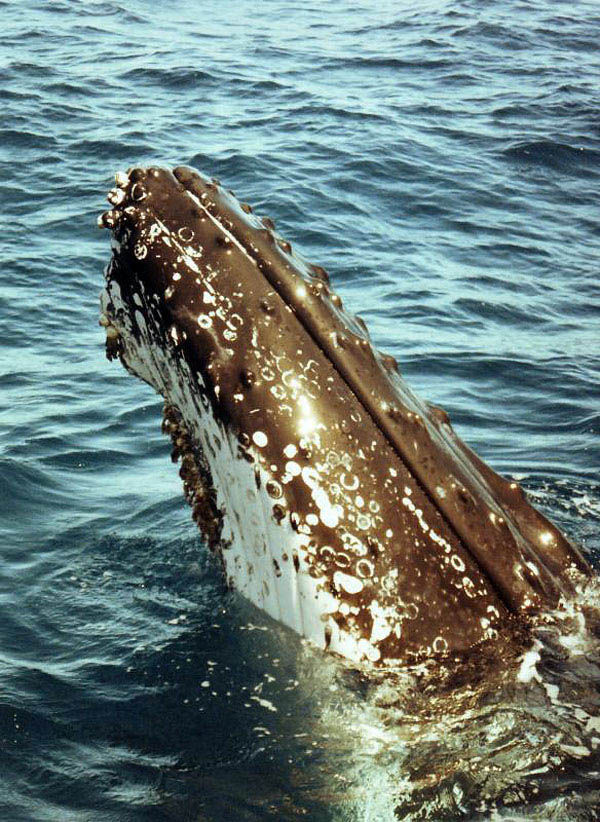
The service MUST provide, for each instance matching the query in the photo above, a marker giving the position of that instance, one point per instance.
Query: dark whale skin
(426, 550)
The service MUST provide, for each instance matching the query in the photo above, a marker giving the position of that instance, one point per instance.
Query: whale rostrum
(335, 499)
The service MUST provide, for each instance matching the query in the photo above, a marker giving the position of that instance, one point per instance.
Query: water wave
(441, 162)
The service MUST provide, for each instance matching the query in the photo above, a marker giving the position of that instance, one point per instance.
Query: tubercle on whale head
(285, 369)
(143, 193)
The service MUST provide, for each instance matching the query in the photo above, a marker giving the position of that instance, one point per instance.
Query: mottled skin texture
(421, 547)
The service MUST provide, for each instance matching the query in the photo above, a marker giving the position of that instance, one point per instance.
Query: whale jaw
(337, 501)
(263, 556)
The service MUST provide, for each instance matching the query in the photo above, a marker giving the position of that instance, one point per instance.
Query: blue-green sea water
(442, 161)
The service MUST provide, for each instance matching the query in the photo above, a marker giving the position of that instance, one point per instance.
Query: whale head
(335, 500)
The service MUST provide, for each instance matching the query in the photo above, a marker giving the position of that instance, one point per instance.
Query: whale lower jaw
(267, 562)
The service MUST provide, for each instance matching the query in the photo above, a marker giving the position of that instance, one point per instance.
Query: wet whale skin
(336, 500)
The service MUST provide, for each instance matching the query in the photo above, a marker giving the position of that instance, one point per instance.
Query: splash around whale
(335, 499)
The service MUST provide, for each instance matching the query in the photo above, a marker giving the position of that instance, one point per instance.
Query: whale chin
(335, 499)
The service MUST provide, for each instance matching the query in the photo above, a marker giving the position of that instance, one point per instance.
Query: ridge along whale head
(337, 501)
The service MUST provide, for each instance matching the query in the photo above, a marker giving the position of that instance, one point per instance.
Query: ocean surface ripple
(442, 161)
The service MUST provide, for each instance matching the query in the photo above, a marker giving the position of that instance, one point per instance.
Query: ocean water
(442, 161)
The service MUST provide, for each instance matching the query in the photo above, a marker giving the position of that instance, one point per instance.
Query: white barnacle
(380, 630)
(267, 373)
(363, 522)
(185, 234)
(293, 468)
(260, 439)
(329, 517)
(368, 650)
(412, 611)
(349, 481)
(342, 559)
(365, 568)
(440, 645)
(326, 552)
(457, 562)
(116, 196)
(469, 587)
(347, 582)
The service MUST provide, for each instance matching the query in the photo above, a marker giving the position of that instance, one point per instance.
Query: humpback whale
(334, 498)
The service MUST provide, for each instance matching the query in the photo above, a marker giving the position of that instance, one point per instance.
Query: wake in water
(509, 732)
(492, 732)
(486, 733)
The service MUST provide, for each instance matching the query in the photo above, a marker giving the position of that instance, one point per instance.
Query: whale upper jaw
(337, 501)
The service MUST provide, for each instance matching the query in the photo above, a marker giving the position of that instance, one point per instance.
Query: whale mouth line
(395, 528)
